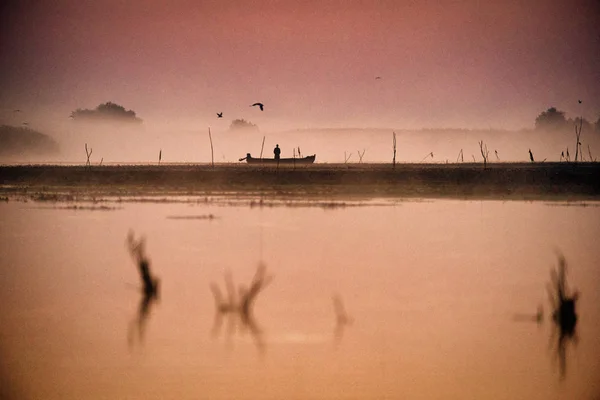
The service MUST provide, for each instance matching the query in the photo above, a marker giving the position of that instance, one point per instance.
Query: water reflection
(342, 319)
(137, 327)
(238, 307)
(150, 289)
(137, 249)
(564, 314)
(538, 317)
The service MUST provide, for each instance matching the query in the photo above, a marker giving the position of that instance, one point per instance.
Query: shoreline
(469, 181)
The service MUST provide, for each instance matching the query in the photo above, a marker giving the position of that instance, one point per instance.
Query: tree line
(554, 120)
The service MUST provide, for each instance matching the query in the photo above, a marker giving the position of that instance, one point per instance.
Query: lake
(440, 295)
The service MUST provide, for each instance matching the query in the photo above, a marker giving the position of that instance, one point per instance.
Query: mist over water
(189, 143)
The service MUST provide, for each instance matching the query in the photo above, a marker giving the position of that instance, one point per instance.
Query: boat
(297, 160)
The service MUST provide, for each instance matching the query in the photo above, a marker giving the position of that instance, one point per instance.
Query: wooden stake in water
(212, 155)
(262, 148)
(159, 155)
(394, 146)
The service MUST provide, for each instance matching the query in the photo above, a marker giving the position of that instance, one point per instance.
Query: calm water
(434, 289)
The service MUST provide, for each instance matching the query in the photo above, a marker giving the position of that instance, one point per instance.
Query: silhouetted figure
(531, 156)
(260, 105)
(277, 152)
(220, 115)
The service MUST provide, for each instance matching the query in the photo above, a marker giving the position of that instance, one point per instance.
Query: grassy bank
(518, 181)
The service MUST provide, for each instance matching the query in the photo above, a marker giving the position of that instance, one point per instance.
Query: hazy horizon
(313, 64)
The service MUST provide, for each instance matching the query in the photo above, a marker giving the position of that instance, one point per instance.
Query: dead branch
(346, 159)
(88, 154)
(360, 155)
(212, 155)
(484, 153)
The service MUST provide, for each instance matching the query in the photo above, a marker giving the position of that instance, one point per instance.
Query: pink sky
(312, 63)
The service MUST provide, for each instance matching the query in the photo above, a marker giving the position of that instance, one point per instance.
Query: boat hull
(304, 160)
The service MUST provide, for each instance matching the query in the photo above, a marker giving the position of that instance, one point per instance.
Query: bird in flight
(579, 101)
(260, 105)
(377, 77)
(17, 110)
(220, 115)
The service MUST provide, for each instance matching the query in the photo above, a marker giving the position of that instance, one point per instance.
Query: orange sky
(313, 63)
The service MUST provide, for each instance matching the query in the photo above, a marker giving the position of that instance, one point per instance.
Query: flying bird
(260, 105)
(579, 101)
(17, 110)
(220, 115)
(377, 77)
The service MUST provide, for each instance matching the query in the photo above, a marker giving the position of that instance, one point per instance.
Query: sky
(459, 64)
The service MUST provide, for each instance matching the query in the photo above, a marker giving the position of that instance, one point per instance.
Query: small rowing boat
(297, 160)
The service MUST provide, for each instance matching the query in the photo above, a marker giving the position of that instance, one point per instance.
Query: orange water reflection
(432, 289)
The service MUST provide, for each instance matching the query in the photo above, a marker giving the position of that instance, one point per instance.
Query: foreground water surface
(440, 295)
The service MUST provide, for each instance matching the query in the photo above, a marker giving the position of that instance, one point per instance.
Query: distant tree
(242, 124)
(108, 111)
(551, 119)
(16, 142)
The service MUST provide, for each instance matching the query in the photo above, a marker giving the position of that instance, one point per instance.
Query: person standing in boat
(277, 152)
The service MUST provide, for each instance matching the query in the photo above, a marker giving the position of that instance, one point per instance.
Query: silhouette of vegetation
(106, 112)
(242, 124)
(23, 141)
(240, 305)
(150, 286)
(137, 249)
(551, 119)
(342, 319)
(563, 304)
(88, 153)
(484, 153)
(137, 327)
(554, 120)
